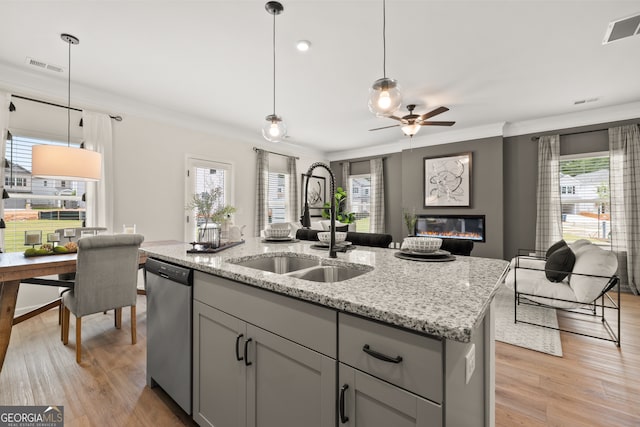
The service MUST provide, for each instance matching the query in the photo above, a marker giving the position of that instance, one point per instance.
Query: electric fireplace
(470, 227)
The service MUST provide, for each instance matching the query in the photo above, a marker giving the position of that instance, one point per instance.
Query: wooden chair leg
(78, 339)
(118, 318)
(134, 337)
(65, 327)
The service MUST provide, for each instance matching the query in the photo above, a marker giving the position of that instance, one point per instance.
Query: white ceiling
(488, 61)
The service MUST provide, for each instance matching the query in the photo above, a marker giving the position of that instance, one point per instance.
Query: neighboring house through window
(278, 197)
(359, 194)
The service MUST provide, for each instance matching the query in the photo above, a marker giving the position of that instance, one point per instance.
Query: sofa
(378, 240)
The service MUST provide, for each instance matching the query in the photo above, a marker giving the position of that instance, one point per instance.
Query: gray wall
(520, 177)
(486, 187)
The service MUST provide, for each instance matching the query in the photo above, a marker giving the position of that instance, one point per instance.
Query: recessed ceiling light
(303, 45)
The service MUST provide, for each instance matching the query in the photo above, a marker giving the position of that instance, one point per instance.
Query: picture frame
(317, 194)
(447, 180)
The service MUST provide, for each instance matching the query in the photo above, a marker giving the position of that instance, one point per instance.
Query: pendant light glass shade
(384, 97)
(69, 163)
(274, 129)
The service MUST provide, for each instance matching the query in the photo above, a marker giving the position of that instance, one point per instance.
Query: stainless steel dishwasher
(169, 311)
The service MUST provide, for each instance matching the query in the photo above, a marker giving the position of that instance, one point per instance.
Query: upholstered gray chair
(106, 278)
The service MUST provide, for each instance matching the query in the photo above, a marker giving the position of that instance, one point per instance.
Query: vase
(210, 235)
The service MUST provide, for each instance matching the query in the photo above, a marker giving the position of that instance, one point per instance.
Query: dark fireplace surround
(468, 227)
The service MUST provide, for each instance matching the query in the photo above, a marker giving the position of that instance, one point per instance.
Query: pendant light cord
(384, 39)
(69, 98)
(274, 64)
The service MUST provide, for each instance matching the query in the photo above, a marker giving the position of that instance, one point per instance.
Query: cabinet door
(218, 376)
(365, 401)
(288, 385)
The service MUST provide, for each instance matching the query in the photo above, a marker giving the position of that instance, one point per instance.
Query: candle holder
(32, 238)
(129, 229)
(69, 233)
(53, 238)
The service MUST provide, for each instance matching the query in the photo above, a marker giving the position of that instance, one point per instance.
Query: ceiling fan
(411, 123)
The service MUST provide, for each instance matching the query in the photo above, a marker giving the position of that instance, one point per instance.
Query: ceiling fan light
(274, 128)
(384, 97)
(410, 129)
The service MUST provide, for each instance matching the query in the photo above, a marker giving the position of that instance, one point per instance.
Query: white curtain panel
(624, 188)
(98, 136)
(346, 172)
(549, 209)
(376, 220)
(262, 189)
(5, 100)
(293, 208)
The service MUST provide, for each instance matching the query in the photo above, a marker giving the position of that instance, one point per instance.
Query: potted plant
(341, 205)
(410, 222)
(209, 207)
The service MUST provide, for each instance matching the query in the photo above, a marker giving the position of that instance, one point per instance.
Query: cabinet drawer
(308, 324)
(362, 344)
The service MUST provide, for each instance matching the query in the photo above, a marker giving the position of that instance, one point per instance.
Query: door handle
(238, 338)
(246, 351)
(381, 356)
(343, 417)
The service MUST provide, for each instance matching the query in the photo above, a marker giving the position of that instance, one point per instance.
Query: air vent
(584, 101)
(43, 65)
(622, 28)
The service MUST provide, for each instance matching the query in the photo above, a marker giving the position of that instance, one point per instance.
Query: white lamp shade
(384, 97)
(59, 162)
(410, 129)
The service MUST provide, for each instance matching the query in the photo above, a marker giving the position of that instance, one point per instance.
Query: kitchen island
(403, 334)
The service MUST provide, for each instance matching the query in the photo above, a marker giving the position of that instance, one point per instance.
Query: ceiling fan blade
(386, 127)
(432, 113)
(432, 123)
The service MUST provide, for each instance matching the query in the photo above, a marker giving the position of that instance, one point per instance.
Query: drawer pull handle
(246, 351)
(343, 417)
(381, 356)
(238, 338)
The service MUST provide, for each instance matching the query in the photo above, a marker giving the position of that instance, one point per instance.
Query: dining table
(16, 268)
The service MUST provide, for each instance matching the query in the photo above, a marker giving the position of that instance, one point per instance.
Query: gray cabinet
(365, 401)
(245, 375)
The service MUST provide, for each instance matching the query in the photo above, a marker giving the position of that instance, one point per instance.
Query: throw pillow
(559, 264)
(555, 247)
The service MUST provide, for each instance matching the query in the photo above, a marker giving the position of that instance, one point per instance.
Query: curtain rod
(535, 138)
(13, 108)
(273, 152)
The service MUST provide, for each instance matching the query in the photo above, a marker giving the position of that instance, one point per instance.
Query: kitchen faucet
(306, 220)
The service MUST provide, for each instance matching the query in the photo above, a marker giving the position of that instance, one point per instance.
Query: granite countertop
(444, 299)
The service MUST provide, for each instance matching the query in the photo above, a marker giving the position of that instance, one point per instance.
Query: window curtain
(376, 220)
(346, 171)
(262, 190)
(293, 207)
(5, 100)
(624, 187)
(97, 135)
(549, 209)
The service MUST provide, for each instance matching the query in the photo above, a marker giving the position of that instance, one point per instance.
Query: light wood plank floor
(594, 384)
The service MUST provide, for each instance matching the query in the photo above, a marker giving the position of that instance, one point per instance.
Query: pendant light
(384, 95)
(66, 163)
(274, 129)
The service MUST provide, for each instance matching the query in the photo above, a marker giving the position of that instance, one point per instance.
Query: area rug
(523, 335)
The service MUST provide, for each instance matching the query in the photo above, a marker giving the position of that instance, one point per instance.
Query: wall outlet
(470, 363)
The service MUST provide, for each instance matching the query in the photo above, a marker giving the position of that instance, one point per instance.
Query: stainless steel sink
(279, 264)
(328, 273)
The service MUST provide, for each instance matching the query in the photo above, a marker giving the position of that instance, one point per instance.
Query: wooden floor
(594, 384)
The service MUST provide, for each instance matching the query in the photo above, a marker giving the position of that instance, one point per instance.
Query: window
(278, 197)
(204, 176)
(584, 194)
(360, 200)
(35, 203)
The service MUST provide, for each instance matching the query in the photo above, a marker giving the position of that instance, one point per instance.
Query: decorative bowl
(281, 226)
(325, 236)
(277, 233)
(421, 244)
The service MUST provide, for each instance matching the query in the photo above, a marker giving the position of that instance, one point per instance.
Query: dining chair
(106, 278)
